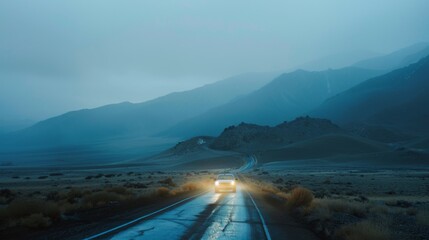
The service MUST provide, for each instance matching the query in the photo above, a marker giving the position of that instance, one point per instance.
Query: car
(225, 182)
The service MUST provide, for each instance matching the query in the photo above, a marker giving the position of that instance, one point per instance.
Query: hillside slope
(285, 98)
(140, 119)
(398, 99)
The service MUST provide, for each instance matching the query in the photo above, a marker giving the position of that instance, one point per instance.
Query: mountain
(251, 137)
(398, 100)
(302, 141)
(397, 59)
(140, 119)
(286, 97)
(325, 146)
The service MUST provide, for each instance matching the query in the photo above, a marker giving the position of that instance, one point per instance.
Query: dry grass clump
(268, 188)
(339, 205)
(168, 181)
(29, 213)
(49, 207)
(24, 208)
(300, 197)
(283, 196)
(190, 186)
(165, 192)
(193, 186)
(107, 196)
(363, 230)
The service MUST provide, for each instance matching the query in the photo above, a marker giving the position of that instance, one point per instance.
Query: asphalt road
(212, 216)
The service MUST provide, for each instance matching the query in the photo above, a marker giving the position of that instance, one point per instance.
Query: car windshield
(226, 177)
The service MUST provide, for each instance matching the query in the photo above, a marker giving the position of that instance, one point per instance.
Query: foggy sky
(57, 56)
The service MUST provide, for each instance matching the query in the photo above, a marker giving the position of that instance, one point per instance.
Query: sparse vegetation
(337, 210)
(168, 181)
(300, 197)
(357, 209)
(363, 230)
(52, 204)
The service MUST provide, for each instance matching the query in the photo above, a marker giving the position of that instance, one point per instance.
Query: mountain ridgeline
(285, 98)
(366, 100)
(144, 119)
(398, 100)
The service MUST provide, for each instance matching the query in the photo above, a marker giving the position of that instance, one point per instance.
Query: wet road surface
(209, 216)
(214, 216)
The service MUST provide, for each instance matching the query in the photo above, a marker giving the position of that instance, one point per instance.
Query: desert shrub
(164, 192)
(135, 185)
(7, 193)
(168, 181)
(100, 199)
(36, 220)
(6, 196)
(343, 206)
(68, 207)
(53, 196)
(73, 194)
(282, 195)
(422, 218)
(269, 188)
(363, 230)
(24, 208)
(300, 197)
(119, 190)
(190, 186)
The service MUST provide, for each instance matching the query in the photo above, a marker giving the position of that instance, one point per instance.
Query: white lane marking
(172, 224)
(247, 166)
(250, 165)
(143, 217)
(267, 233)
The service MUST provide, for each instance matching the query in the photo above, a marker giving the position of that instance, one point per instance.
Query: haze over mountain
(336, 61)
(293, 94)
(396, 59)
(398, 99)
(285, 98)
(140, 119)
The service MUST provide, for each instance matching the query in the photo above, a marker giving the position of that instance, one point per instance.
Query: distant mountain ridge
(397, 59)
(258, 98)
(251, 136)
(286, 97)
(145, 118)
(399, 99)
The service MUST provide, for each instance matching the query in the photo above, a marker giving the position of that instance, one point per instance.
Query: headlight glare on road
(217, 183)
(232, 182)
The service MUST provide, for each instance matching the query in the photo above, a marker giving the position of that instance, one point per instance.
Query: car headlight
(232, 182)
(217, 183)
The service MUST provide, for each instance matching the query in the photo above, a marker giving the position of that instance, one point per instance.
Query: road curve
(209, 216)
(206, 216)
